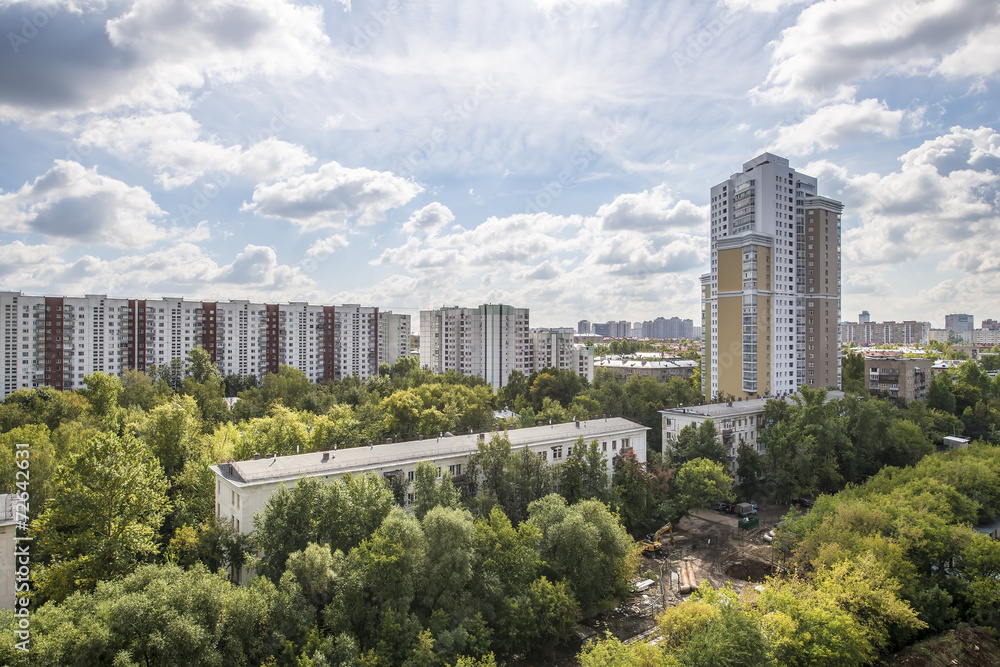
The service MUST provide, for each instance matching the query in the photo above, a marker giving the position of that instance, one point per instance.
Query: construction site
(708, 548)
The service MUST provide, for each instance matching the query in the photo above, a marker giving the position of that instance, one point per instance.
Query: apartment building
(490, 341)
(908, 379)
(393, 336)
(552, 348)
(771, 301)
(909, 332)
(243, 488)
(659, 369)
(962, 324)
(55, 341)
(986, 336)
(738, 421)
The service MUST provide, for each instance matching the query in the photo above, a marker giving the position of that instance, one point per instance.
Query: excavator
(652, 545)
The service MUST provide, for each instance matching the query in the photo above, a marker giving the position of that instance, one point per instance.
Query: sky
(554, 155)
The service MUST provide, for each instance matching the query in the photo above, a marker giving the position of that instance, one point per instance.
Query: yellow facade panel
(730, 270)
(730, 361)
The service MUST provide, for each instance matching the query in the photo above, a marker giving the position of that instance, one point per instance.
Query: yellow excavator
(652, 545)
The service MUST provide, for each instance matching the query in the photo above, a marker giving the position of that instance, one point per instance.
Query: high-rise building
(962, 324)
(771, 301)
(583, 327)
(55, 341)
(864, 317)
(552, 348)
(489, 341)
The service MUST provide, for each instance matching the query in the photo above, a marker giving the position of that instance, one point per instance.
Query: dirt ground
(718, 552)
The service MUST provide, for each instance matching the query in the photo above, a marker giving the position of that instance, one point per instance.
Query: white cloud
(944, 201)
(94, 57)
(767, 6)
(632, 252)
(651, 211)
(173, 145)
(72, 204)
(429, 219)
(836, 44)
(332, 196)
(832, 125)
(327, 246)
(22, 263)
(219, 41)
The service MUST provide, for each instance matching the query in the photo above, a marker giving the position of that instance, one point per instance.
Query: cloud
(327, 246)
(429, 219)
(651, 210)
(22, 262)
(630, 253)
(767, 6)
(72, 204)
(332, 196)
(836, 44)
(832, 125)
(173, 145)
(97, 56)
(943, 201)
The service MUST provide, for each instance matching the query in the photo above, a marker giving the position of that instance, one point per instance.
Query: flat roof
(361, 459)
(646, 363)
(717, 410)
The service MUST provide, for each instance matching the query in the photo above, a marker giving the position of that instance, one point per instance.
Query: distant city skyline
(553, 154)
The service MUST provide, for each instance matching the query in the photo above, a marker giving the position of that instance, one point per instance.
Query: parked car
(724, 506)
(804, 503)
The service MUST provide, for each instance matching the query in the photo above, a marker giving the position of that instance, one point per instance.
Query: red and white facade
(55, 341)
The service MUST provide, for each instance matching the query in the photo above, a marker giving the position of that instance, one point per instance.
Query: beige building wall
(731, 345)
(823, 293)
(730, 270)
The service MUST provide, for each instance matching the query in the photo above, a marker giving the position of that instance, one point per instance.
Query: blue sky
(552, 155)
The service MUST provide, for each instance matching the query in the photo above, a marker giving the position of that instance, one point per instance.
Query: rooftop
(735, 408)
(645, 363)
(361, 459)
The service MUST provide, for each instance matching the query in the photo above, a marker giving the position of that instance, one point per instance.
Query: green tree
(340, 514)
(449, 536)
(402, 413)
(200, 366)
(159, 615)
(700, 442)
(102, 392)
(505, 562)
(431, 490)
(940, 395)
(585, 545)
(40, 406)
(382, 577)
(698, 483)
(289, 386)
(635, 492)
(41, 460)
(140, 390)
(103, 518)
(853, 372)
(749, 471)
(171, 431)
